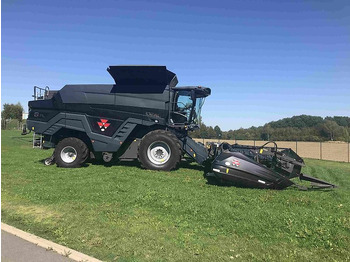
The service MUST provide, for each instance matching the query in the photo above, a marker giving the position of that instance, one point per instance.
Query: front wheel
(159, 150)
(71, 152)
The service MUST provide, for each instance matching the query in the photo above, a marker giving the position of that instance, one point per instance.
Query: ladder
(37, 141)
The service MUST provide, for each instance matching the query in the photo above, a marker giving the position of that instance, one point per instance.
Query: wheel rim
(159, 153)
(68, 154)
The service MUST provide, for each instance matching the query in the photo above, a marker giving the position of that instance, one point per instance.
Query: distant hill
(301, 128)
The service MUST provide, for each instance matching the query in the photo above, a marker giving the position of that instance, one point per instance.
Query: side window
(182, 107)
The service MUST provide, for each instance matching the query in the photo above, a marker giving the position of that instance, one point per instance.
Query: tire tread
(170, 135)
(80, 146)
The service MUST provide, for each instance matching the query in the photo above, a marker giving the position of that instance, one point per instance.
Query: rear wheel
(71, 152)
(159, 150)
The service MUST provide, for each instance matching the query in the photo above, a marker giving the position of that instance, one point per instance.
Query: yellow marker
(33, 128)
(261, 150)
(194, 155)
(226, 170)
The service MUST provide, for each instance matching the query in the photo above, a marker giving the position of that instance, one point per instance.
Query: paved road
(15, 249)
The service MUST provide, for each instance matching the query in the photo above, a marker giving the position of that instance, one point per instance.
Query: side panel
(78, 122)
(50, 127)
(104, 100)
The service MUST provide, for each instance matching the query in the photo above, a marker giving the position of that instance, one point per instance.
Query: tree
(12, 111)
(266, 133)
(230, 135)
(203, 132)
(330, 127)
(218, 132)
(340, 120)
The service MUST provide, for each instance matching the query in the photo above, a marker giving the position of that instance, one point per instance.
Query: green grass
(125, 213)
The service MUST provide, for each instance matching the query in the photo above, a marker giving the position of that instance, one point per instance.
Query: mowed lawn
(125, 213)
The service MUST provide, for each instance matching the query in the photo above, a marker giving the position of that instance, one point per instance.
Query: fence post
(348, 152)
(321, 150)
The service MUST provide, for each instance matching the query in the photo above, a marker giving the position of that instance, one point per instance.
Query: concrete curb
(64, 251)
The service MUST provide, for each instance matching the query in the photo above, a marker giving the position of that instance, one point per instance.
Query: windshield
(183, 105)
(197, 111)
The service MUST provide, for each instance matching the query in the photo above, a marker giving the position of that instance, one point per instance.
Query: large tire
(159, 150)
(71, 152)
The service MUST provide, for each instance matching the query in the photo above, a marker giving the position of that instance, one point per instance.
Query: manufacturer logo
(103, 124)
(38, 115)
(235, 162)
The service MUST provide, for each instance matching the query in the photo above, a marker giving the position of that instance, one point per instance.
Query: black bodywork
(105, 117)
(259, 167)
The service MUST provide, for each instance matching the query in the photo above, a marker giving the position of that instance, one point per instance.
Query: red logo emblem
(103, 124)
(235, 162)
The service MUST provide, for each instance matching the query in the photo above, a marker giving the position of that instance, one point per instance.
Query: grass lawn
(125, 213)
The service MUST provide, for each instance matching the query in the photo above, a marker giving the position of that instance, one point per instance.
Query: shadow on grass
(190, 165)
(23, 139)
(216, 182)
(186, 163)
(114, 162)
(42, 161)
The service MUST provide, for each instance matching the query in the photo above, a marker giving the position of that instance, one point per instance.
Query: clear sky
(264, 60)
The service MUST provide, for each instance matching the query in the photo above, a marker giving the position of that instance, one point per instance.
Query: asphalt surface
(15, 249)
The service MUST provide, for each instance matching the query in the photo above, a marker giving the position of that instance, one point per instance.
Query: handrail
(41, 93)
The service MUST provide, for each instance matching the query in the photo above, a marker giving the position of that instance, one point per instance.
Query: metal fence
(333, 150)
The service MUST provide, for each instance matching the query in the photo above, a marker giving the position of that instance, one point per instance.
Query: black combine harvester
(145, 116)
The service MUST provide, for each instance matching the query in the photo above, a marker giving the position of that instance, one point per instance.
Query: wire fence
(333, 150)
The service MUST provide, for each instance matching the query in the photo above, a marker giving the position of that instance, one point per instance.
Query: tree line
(296, 128)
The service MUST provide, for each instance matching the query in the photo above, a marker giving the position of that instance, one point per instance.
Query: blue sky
(264, 60)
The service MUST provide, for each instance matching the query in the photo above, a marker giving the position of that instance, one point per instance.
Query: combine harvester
(145, 116)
